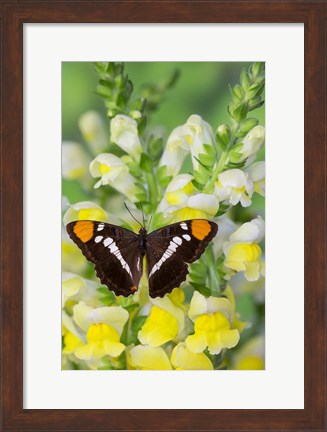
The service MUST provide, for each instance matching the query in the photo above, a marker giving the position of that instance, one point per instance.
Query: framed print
(135, 128)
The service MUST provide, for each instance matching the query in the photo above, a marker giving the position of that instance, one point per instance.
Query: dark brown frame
(14, 15)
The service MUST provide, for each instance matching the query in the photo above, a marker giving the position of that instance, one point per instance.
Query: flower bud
(92, 127)
(124, 133)
(223, 136)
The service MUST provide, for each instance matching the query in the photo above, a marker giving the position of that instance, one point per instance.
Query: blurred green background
(202, 88)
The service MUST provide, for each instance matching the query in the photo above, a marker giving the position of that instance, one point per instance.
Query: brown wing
(114, 252)
(169, 249)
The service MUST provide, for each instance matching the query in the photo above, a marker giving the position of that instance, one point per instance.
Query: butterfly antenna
(132, 215)
(142, 215)
(149, 224)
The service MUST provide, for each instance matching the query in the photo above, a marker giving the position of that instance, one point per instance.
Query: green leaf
(146, 163)
(245, 80)
(255, 90)
(240, 111)
(156, 147)
(238, 92)
(210, 150)
(255, 103)
(201, 289)
(197, 278)
(257, 68)
(137, 104)
(199, 178)
(103, 290)
(203, 170)
(198, 186)
(107, 300)
(246, 126)
(162, 177)
(141, 125)
(206, 160)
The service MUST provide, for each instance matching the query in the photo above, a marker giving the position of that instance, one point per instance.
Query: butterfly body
(117, 253)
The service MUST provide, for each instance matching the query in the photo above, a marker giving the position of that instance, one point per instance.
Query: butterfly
(117, 253)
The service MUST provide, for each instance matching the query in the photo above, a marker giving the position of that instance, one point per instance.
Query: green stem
(214, 283)
(222, 160)
(154, 195)
(219, 168)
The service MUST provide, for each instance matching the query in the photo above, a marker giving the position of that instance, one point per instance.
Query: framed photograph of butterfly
(163, 185)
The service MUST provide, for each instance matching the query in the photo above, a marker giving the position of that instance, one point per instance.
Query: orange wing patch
(84, 230)
(200, 228)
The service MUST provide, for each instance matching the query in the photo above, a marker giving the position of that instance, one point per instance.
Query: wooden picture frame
(14, 15)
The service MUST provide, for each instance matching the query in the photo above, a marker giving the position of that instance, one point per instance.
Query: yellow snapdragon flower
(243, 254)
(181, 201)
(159, 327)
(212, 324)
(85, 210)
(182, 358)
(102, 339)
(103, 327)
(149, 358)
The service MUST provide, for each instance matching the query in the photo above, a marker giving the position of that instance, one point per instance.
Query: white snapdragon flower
(74, 161)
(76, 288)
(181, 202)
(212, 319)
(93, 130)
(234, 186)
(198, 132)
(103, 327)
(114, 172)
(242, 251)
(85, 210)
(175, 151)
(252, 142)
(257, 175)
(124, 133)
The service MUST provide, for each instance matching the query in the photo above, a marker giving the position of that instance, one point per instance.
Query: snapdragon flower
(124, 133)
(212, 324)
(182, 358)
(234, 186)
(165, 321)
(103, 327)
(198, 132)
(93, 130)
(114, 172)
(257, 175)
(242, 251)
(182, 202)
(74, 160)
(149, 358)
(75, 288)
(85, 210)
(175, 151)
(251, 356)
(249, 146)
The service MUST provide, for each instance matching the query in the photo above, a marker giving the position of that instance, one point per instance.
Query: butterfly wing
(113, 250)
(170, 248)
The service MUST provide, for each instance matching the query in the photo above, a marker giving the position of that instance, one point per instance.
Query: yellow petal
(114, 349)
(71, 342)
(102, 332)
(96, 214)
(148, 358)
(90, 351)
(250, 363)
(197, 342)
(159, 327)
(184, 359)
